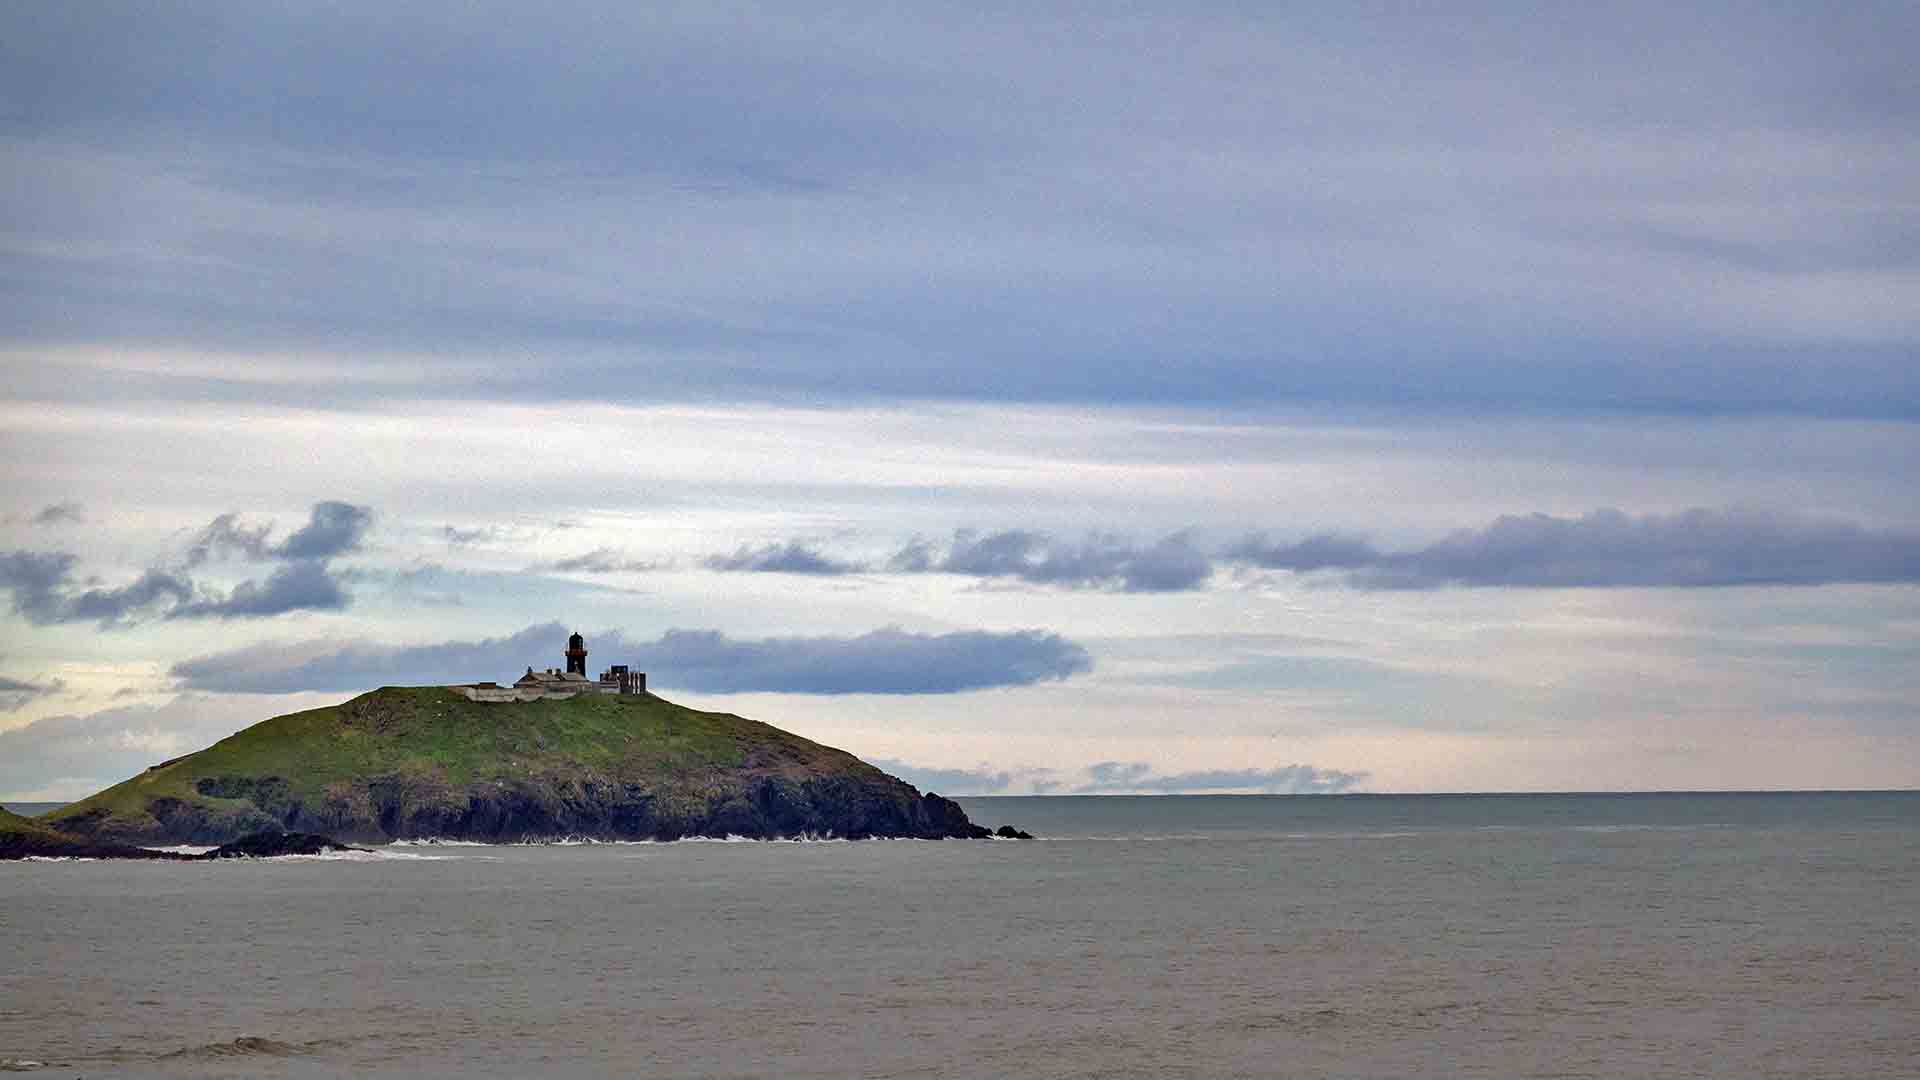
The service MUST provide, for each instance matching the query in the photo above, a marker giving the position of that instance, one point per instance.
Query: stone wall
(530, 693)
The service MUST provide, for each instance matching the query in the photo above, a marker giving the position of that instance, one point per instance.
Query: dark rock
(61, 846)
(268, 843)
(1008, 832)
(192, 823)
(946, 820)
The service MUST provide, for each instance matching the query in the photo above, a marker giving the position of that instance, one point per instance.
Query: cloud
(298, 586)
(1610, 549)
(44, 593)
(43, 590)
(1131, 777)
(887, 661)
(984, 780)
(1172, 564)
(792, 557)
(458, 537)
(600, 561)
(150, 589)
(224, 535)
(71, 756)
(332, 529)
(1115, 777)
(981, 781)
(304, 581)
(1603, 246)
(1327, 551)
(16, 693)
(61, 513)
(34, 579)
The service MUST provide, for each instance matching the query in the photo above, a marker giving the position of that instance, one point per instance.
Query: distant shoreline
(32, 809)
(1652, 793)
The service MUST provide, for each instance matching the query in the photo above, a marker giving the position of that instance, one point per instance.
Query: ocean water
(1354, 936)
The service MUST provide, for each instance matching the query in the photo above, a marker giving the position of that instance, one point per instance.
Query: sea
(1655, 935)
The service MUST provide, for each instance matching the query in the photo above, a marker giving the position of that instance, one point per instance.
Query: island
(556, 755)
(432, 762)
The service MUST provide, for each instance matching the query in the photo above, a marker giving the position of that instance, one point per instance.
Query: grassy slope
(433, 732)
(12, 825)
(20, 837)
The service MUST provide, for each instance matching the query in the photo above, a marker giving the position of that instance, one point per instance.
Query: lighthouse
(552, 684)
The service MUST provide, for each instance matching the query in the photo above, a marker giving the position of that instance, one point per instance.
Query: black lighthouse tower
(577, 654)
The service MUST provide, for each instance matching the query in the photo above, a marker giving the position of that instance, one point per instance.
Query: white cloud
(73, 755)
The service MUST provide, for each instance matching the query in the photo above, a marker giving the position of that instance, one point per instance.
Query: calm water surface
(1549, 936)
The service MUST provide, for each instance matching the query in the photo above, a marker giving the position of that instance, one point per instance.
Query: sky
(1060, 398)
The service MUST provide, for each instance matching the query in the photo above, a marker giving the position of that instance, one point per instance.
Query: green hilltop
(403, 762)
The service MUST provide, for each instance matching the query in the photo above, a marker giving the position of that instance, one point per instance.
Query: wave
(595, 841)
(371, 855)
(1240, 835)
(1647, 828)
(805, 838)
(337, 855)
(730, 838)
(235, 1054)
(21, 1065)
(247, 1046)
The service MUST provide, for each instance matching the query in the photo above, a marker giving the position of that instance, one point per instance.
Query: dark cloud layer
(1698, 548)
(1607, 548)
(1172, 564)
(60, 514)
(1667, 208)
(888, 661)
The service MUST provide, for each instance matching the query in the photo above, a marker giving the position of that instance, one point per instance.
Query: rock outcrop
(24, 838)
(272, 843)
